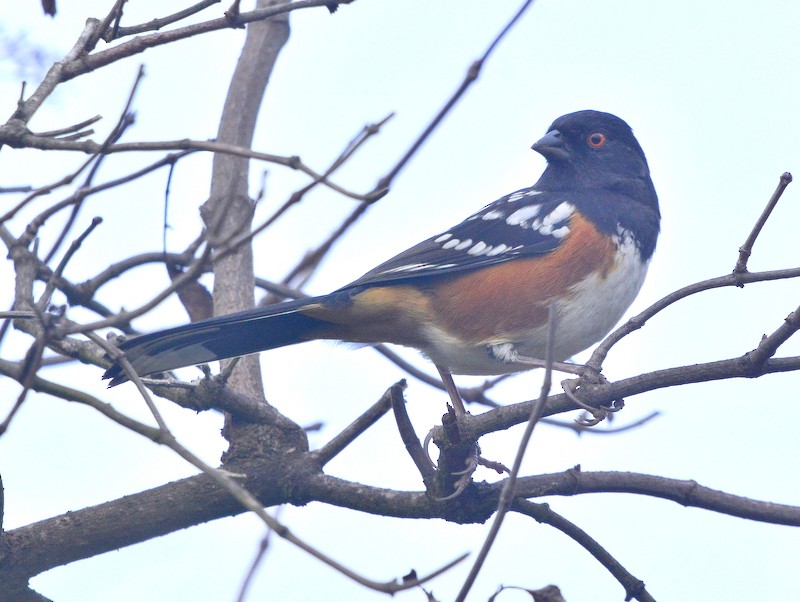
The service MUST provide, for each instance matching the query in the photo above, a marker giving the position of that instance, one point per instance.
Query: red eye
(596, 140)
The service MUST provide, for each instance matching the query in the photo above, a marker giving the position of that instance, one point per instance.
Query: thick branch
(296, 479)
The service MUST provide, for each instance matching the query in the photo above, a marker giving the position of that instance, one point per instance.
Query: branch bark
(297, 479)
(229, 211)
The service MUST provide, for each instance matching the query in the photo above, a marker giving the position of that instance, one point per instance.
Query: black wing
(527, 222)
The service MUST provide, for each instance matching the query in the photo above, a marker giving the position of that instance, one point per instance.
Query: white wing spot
(443, 237)
(493, 214)
(559, 214)
(517, 196)
(479, 248)
(520, 216)
(463, 245)
(501, 248)
(546, 225)
(454, 242)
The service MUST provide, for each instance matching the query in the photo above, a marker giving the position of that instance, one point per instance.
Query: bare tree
(269, 461)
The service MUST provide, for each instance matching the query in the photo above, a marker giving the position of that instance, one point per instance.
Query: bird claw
(570, 386)
(599, 414)
(465, 476)
(472, 464)
(461, 486)
(426, 444)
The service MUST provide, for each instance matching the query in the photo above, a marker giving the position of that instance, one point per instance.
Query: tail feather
(218, 338)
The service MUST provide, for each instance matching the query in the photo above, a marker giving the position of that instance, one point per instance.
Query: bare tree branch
(634, 588)
(270, 462)
(747, 248)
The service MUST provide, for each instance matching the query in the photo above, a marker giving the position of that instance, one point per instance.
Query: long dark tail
(218, 338)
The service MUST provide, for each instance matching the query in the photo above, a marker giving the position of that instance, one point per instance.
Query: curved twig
(747, 248)
(634, 588)
(738, 280)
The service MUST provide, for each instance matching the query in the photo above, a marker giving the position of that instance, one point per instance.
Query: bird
(476, 298)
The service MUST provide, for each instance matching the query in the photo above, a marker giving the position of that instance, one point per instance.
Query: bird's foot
(598, 414)
(465, 476)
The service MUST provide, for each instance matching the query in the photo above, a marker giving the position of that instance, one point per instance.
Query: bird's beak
(551, 146)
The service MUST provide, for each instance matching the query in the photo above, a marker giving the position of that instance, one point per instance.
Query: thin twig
(747, 248)
(469, 79)
(54, 76)
(159, 23)
(47, 189)
(130, 372)
(597, 395)
(599, 355)
(352, 146)
(634, 588)
(263, 546)
(769, 344)
(139, 44)
(124, 317)
(123, 122)
(113, 15)
(167, 189)
(70, 129)
(507, 493)
(90, 147)
(93, 284)
(34, 225)
(409, 437)
(303, 271)
(30, 366)
(331, 449)
(44, 300)
(580, 429)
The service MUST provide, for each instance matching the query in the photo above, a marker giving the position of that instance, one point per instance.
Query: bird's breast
(591, 280)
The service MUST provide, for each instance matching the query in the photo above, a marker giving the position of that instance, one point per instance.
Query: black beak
(551, 146)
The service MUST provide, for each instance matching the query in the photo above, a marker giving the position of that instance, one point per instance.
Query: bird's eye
(596, 139)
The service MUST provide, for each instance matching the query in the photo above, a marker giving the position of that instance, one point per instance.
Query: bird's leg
(473, 459)
(452, 390)
(459, 410)
(506, 353)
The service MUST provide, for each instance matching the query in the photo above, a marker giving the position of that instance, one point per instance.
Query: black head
(590, 150)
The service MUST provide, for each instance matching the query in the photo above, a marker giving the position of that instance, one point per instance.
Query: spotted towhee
(475, 299)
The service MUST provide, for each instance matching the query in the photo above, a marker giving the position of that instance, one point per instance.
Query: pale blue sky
(711, 90)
